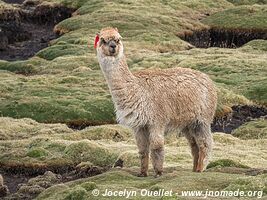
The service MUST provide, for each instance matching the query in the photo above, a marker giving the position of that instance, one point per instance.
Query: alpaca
(154, 102)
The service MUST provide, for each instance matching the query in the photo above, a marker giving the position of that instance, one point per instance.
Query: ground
(48, 98)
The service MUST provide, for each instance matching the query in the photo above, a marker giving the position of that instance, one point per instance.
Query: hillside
(47, 97)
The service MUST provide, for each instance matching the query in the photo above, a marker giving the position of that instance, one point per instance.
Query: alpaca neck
(118, 76)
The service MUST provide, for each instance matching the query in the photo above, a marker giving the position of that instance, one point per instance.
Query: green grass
(29, 145)
(240, 18)
(177, 180)
(252, 130)
(63, 82)
(247, 2)
(225, 163)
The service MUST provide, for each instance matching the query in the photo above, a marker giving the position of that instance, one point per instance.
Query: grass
(63, 84)
(252, 130)
(29, 145)
(176, 180)
(32, 144)
(69, 89)
(247, 17)
(247, 2)
(225, 163)
(8, 12)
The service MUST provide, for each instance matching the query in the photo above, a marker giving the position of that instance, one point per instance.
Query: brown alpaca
(153, 102)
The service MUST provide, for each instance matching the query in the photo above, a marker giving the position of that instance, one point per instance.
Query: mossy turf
(51, 146)
(54, 146)
(252, 130)
(175, 180)
(29, 144)
(63, 82)
(71, 89)
(240, 18)
(225, 163)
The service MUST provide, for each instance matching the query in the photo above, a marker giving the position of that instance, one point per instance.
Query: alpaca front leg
(157, 152)
(142, 140)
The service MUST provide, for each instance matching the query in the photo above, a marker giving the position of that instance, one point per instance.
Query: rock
(4, 191)
(3, 188)
(3, 40)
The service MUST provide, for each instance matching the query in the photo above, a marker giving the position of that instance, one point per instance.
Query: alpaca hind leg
(156, 139)
(204, 141)
(142, 140)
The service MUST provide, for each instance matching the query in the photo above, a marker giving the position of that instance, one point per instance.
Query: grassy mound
(28, 145)
(55, 147)
(259, 45)
(252, 130)
(240, 18)
(176, 180)
(247, 2)
(52, 146)
(63, 82)
(109, 132)
(225, 163)
(28, 128)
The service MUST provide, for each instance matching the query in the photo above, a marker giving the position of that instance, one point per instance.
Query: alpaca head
(108, 43)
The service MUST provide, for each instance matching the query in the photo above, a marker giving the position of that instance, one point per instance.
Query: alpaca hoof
(199, 170)
(142, 174)
(158, 174)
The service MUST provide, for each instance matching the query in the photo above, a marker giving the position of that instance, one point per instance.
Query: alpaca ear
(96, 40)
(116, 29)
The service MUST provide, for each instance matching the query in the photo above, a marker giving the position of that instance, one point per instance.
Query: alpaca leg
(194, 150)
(204, 142)
(142, 140)
(157, 150)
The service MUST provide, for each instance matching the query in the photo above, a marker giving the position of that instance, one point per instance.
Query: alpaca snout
(112, 50)
(112, 47)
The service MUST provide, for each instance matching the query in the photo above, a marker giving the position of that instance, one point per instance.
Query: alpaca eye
(117, 41)
(103, 41)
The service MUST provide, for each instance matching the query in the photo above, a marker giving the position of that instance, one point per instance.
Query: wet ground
(38, 38)
(17, 180)
(30, 29)
(222, 38)
(239, 116)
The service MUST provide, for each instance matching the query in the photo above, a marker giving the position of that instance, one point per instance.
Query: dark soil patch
(222, 38)
(36, 38)
(240, 115)
(82, 124)
(14, 1)
(14, 179)
(31, 31)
